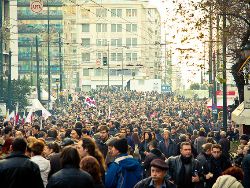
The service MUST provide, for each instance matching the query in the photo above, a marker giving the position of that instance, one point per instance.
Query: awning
(230, 101)
(241, 115)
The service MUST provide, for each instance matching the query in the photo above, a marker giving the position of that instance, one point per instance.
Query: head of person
(186, 149)
(223, 134)
(37, 147)
(166, 134)
(75, 134)
(120, 146)
(70, 157)
(152, 145)
(86, 146)
(244, 139)
(216, 151)
(245, 150)
(52, 133)
(35, 129)
(235, 172)
(92, 166)
(19, 145)
(50, 148)
(123, 132)
(158, 170)
(240, 149)
(104, 132)
(206, 148)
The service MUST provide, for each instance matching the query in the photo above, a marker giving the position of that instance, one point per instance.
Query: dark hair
(103, 128)
(7, 130)
(91, 165)
(54, 146)
(37, 147)
(135, 137)
(218, 146)
(185, 143)
(70, 156)
(37, 127)
(153, 143)
(52, 133)
(19, 144)
(207, 146)
(235, 172)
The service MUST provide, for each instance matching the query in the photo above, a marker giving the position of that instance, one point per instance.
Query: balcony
(29, 15)
(54, 3)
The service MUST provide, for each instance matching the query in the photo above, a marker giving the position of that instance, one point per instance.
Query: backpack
(127, 178)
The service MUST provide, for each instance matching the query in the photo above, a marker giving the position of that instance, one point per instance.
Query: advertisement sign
(247, 96)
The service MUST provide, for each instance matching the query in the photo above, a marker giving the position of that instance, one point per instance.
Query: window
(134, 27)
(85, 27)
(116, 12)
(119, 56)
(113, 56)
(113, 12)
(98, 72)
(134, 12)
(98, 42)
(119, 12)
(104, 42)
(85, 57)
(113, 27)
(73, 37)
(98, 55)
(128, 12)
(85, 72)
(86, 42)
(128, 41)
(101, 27)
(119, 42)
(113, 42)
(134, 41)
(128, 56)
(128, 27)
(134, 56)
(119, 27)
(101, 12)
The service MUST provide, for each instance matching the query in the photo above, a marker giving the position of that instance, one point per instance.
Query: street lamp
(245, 52)
(57, 84)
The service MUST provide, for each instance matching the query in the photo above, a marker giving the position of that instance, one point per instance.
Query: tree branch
(238, 16)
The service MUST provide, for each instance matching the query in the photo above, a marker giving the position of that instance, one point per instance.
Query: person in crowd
(230, 178)
(168, 147)
(238, 159)
(87, 147)
(199, 141)
(125, 171)
(216, 165)
(35, 130)
(17, 170)
(184, 170)
(154, 153)
(246, 169)
(50, 149)
(91, 165)
(158, 168)
(76, 134)
(44, 164)
(225, 144)
(244, 139)
(101, 142)
(70, 176)
(143, 147)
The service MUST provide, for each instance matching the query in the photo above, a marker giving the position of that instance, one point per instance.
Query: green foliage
(20, 91)
(195, 86)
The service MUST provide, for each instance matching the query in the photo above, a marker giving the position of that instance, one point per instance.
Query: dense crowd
(125, 139)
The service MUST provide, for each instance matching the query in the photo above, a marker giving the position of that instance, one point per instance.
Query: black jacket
(17, 170)
(146, 182)
(71, 178)
(169, 151)
(246, 170)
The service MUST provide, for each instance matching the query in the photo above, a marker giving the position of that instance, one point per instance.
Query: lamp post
(48, 54)
(246, 55)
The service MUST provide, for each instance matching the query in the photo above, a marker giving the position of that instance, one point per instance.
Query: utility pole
(165, 65)
(214, 105)
(218, 46)
(210, 50)
(9, 83)
(1, 53)
(122, 68)
(49, 87)
(60, 61)
(37, 72)
(31, 64)
(224, 51)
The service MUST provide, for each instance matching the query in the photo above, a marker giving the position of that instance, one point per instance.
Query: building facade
(110, 42)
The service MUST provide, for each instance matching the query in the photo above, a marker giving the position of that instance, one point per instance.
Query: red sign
(98, 62)
(36, 6)
(228, 92)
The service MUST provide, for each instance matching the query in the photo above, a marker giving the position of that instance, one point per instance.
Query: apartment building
(107, 43)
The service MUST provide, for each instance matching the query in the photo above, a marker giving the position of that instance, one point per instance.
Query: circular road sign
(36, 6)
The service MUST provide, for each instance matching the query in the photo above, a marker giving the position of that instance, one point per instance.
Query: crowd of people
(126, 139)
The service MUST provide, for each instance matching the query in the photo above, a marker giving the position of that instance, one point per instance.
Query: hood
(227, 181)
(129, 164)
(44, 164)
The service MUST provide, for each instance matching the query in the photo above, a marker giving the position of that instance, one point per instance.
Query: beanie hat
(121, 145)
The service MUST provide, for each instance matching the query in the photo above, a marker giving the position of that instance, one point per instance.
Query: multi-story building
(107, 43)
(46, 25)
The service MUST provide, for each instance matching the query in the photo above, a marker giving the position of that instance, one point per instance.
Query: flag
(7, 116)
(90, 102)
(45, 113)
(29, 116)
(24, 117)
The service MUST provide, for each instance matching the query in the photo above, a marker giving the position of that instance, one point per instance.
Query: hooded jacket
(227, 181)
(124, 172)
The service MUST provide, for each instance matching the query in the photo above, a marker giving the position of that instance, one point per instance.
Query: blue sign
(166, 88)
(214, 109)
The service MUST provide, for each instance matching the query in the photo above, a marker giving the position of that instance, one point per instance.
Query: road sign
(36, 6)
(98, 62)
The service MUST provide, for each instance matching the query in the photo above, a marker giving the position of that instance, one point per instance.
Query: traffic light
(105, 61)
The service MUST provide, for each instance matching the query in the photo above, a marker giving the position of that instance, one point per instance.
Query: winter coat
(70, 177)
(145, 183)
(124, 172)
(17, 170)
(169, 151)
(227, 181)
(44, 166)
(246, 170)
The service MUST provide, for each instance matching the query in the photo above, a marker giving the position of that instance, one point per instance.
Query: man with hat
(158, 176)
(125, 171)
